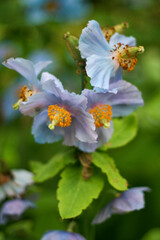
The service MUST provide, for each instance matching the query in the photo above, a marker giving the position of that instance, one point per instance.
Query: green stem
(71, 226)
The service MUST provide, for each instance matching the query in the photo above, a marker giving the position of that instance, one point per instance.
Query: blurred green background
(139, 161)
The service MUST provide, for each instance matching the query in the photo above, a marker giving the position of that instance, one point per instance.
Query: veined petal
(84, 126)
(35, 103)
(104, 136)
(47, 76)
(22, 66)
(92, 41)
(101, 70)
(119, 38)
(130, 200)
(127, 99)
(40, 66)
(42, 133)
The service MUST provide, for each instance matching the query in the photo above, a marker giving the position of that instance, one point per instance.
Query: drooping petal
(61, 235)
(104, 136)
(130, 200)
(35, 103)
(92, 41)
(13, 209)
(101, 70)
(47, 76)
(40, 66)
(84, 125)
(103, 215)
(42, 133)
(22, 66)
(119, 38)
(127, 99)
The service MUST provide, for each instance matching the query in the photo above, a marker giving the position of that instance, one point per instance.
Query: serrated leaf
(107, 165)
(54, 166)
(75, 193)
(35, 166)
(125, 130)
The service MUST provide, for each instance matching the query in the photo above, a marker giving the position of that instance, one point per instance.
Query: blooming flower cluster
(84, 120)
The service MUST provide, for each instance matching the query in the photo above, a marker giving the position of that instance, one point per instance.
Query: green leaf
(107, 165)
(75, 193)
(54, 166)
(125, 130)
(36, 166)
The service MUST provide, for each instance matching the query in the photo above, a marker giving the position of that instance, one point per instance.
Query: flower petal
(101, 70)
(14, 209)
(103, 215)
(92, 41)
(38, 101)
(42, 133)
(24, 67)
(22, 177)
(119, 38)
(40, 66)
(62, 235)
(47, 76)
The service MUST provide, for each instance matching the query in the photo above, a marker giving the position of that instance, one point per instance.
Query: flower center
(25, 93)
(51, 6)
(102, 115)
(4, 178)
(58, 116)
(126, 56)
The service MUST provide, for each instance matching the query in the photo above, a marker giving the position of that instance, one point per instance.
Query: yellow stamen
(25, 93)
(58, 116)
(102, 115)
(126, 56)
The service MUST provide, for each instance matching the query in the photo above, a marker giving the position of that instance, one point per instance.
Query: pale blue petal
(104, 136)
(61, 235)
(13, 209)
(130, 200)
(42, 133)
(103, 215)
(92, 41)
(37, 102)
(46, 77)
(119, 38)
(101, 70)
(40, 66)
(24, 67)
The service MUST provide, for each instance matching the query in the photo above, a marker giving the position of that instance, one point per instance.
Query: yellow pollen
(59, 116)
(25, 93)
(127, 62)
(102, 115)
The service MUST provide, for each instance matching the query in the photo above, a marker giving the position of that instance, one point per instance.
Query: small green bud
(131, 51)
(72, 44)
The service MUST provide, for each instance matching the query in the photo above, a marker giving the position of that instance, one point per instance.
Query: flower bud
(72, 43)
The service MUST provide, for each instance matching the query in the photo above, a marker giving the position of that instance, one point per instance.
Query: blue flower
(41, 11)
(62, 235)
(30, 72)
(104, 106)
(106, 60)
(62, 114)
(13, 209)
(14, 184)
(128, 201)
